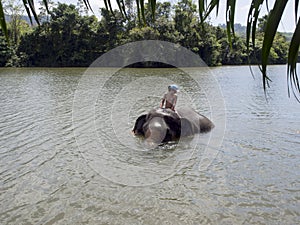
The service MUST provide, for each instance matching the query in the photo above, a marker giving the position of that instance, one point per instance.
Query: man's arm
(162, 103)
(174, 103)
(163, 100)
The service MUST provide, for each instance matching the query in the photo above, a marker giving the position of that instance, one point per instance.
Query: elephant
(164, 125)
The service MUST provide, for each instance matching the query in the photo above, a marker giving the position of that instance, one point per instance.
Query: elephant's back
(158, 112)
(200, 122)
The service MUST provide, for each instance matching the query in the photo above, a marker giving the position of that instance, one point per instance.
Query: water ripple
(44, 178)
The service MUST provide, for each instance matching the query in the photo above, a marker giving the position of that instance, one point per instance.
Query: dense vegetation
(69, 37)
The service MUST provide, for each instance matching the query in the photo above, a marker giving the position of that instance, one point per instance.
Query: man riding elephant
(169, 99)
(163, 125)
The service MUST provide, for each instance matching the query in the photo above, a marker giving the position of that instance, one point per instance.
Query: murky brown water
(50, 176)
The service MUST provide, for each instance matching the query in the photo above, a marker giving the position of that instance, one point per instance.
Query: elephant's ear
(138, 126)
(186, 128)
(173, 124)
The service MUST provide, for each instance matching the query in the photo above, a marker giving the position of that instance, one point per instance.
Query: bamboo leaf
(293, 81)
(138, 10)
(249, 24)
(267, 6)
(3, 22)
(110, 8)
(106, 5)
(212, 5)
(252, 19)
(153, 8)
(230, 10)
(86, 2)
(217, 8)
(229, 35)
(142, 4)
(32, 8)
(27, 10)
(46, 5)
(255, 20)
(202, 5)
(270, 31)
(124, 9)
(296, 10)
(120, 7)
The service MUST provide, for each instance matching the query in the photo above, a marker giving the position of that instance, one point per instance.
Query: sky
(287, 24)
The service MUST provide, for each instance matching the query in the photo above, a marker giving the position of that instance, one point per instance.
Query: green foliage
(144, 33)
(16, 60)
(5, 51)
(71, 38)
(2, 21)
(111, 29)
(67, 40)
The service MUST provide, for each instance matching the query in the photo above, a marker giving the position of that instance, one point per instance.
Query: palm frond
(274, 18)
(214, 4)
(28, 11)
(2, 21)
(296, 10)
(252, 19)
(46, 4)
(122, 9)
(230, 10)
(153, 8)
(142, 4)
(267, 6)
(32, 9)
(86, 2)
(202, 6)
(108, 6)
(138, 10)
(293, 81)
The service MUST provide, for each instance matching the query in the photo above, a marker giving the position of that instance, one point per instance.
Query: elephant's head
(158, 126)
(163, 125)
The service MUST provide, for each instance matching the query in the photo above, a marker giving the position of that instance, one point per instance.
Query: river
(67, 155)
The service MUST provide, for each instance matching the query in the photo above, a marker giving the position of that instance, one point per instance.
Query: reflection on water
(46, 178)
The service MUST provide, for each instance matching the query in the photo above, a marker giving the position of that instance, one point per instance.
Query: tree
(144, 33)
(44, 16)
(164, 23)
(111, 28)
(17, 27)
(5, 50)
(14, 10)
(66, 40)
(262, 23)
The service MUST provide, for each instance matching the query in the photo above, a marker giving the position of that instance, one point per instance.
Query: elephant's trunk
(155, 132)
